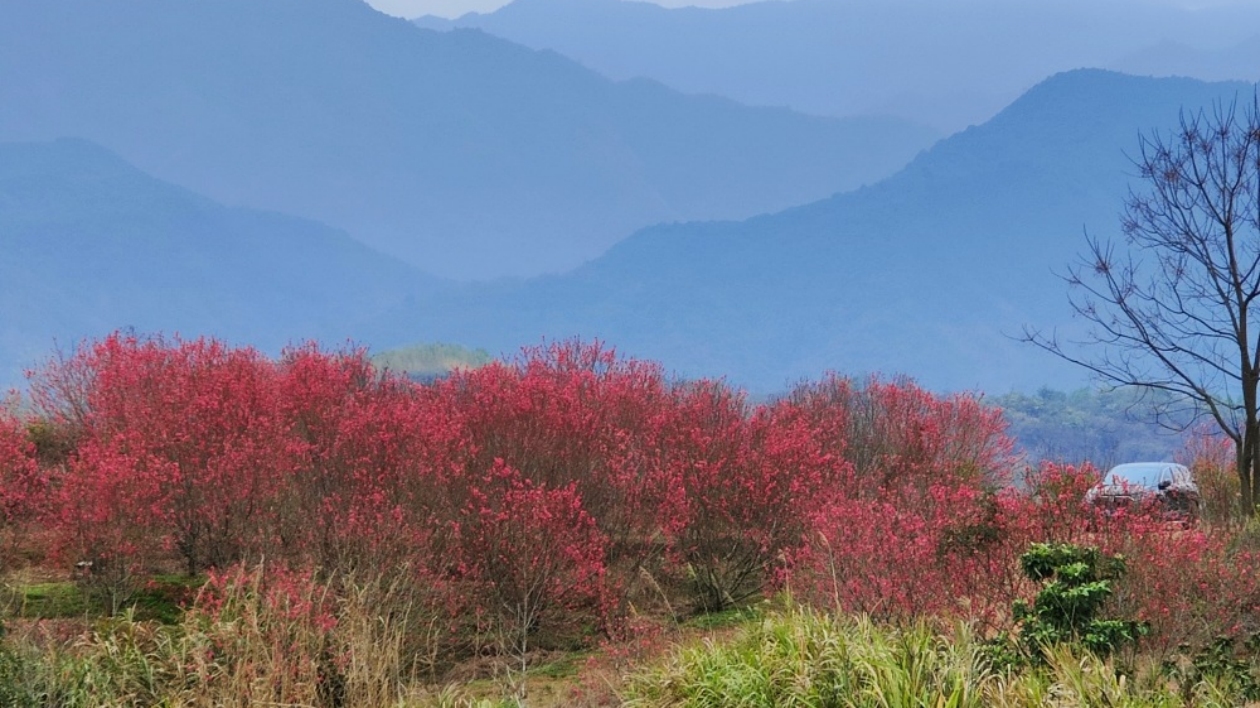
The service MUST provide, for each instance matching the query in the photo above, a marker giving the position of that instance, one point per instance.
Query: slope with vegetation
(340, 537)
(464, 154)
(430, 361)
(1106, 427)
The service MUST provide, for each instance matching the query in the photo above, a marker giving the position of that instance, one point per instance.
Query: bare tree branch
(1172, 312)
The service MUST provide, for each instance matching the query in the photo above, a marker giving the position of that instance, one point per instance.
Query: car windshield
(1143, 474)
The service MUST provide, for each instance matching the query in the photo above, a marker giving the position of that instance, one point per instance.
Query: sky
(455, 8)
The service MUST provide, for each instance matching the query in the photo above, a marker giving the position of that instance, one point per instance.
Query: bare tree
(1174, 311)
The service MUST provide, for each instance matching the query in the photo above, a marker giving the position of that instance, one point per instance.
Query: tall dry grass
(253, 637)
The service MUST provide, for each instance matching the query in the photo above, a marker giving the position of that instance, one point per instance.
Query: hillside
(927, 273)
(92, 244)
(426, 362)
(949, 64)
(463, 154)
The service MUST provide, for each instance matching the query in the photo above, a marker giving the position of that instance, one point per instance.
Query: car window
(1141, 475)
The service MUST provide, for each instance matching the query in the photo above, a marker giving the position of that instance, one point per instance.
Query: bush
(183, 440)
(744, 488)
(23, 487)
(535, 503)
(1211, 458)
(1075, 582)
(908, 523)
(537, 557)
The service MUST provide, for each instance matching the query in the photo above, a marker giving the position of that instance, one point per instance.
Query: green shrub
(1076, 581)
(1218, 668)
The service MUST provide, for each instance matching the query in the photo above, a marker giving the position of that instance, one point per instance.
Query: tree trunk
(1247, 458)
(1253, 479)
(1250, 438)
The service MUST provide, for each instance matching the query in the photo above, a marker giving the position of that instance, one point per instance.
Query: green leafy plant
(1219, 664)
(1076, 582)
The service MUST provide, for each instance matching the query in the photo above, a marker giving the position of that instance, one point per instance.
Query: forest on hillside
(1104, 426)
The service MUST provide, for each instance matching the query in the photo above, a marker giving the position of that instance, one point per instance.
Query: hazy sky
(455, 8)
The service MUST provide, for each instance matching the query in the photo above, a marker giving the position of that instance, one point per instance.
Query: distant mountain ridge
(91, 244)
(928, 273)
(464, 154)
(1169, 58)
(925, 273)
(948, 64)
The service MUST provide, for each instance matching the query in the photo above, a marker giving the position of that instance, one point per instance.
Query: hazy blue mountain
(949, 64)
(1169, 58)
(462, 153)
(92, 244)
(923, 274)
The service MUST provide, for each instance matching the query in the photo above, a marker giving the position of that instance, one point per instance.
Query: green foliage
(730, 617)
(57, 599)
(424, 361)
(1217, 668)
(54, 443)
(1102, 427)
(802, 657)
(1076, 581)
(16, 689)
(164, 597)
(161, 598)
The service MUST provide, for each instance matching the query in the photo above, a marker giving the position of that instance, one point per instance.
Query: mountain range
(92, 244)
(148, 181)
(931, 273)
(947, 64)
(463, 154)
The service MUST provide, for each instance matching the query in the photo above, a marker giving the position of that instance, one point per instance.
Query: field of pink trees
(564, 499)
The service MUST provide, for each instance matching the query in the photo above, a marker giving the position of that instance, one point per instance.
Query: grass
(564, 667)
(733, 617)
(54, 600)
(162, 599)
(805, 658)
(801, 657)
(771, 654)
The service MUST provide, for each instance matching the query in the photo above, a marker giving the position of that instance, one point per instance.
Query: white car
(1164, 488)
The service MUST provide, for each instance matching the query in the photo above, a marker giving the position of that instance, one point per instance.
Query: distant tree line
(1104, 427)
(425, 363)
